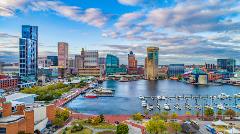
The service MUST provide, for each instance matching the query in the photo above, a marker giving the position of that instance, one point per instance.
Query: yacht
(223, 96)
(220, 107)
(144, 103)
(237, 95)
(166, 107)
(177, 107)
(149, 107)
(123, 79)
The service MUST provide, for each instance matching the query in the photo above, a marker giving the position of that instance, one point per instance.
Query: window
(2, 130)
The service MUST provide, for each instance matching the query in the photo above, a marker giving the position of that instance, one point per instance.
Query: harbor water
(126, 98)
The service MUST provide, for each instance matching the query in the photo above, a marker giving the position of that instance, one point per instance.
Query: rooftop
(16, 96)
(10, 119)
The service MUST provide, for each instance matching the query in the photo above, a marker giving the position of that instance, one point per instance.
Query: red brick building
(21, 119)
(8, 83)
(132, 63)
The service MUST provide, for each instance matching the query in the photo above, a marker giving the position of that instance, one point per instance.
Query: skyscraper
(112, 65)
(54, 60)
(174, 70)
(151, 63)
(62, 54)
(28, 53)
(227, 64)
(62, 59)
(132, 63)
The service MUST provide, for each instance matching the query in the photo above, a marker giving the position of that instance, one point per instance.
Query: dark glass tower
(28, 53)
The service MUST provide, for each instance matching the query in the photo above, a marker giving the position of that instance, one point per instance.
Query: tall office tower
(174, 70)
(102, 64)
(62, 59)
(28, 53)
(62, 55)
(71, 63)
(132, 63)
(54, 60)
(152, 63)
(227, 64)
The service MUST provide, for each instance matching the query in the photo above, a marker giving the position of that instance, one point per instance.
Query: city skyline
(189, 32)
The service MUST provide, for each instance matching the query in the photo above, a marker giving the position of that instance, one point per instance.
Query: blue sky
(186, 31)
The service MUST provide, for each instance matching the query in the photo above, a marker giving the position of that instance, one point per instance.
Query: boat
(144, 103)
(207, 106)
(102, 91)
(90, 95)
(166, 107)
(123, 79)
(177, 107)
(223, 96)
(237, 95)
(161, 97)
(220, 107)
(238, 106)
(141, 97)
(149, 107)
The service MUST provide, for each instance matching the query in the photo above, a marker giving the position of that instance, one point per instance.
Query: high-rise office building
(132, 63)
(79, 59)
(62, 54)
(71, 63)
(112, 65)
(88, 61)
(54, 60)
(226, 64)
(28, 53)
(151, 63)
(174, 70)
(44, 62)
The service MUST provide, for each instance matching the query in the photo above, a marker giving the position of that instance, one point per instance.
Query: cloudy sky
(186, 31)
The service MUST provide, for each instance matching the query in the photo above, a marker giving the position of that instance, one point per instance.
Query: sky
(186, 31)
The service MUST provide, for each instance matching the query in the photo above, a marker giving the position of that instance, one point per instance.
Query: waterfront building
(62, 59)
(151, 63)
(8, 83)
(214, 76)
(102, 65)
(28, 53)
(174, 70)
(89, 63)
(132, 63)
(210, 67)
(112, 65)
(226, 64)
(54, 60)
(17, 117)
(44, 62)
(198, 77)
(140, 71)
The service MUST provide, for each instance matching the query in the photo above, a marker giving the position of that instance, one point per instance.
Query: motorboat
(220, 107)
(149, 107)
(103, 91)
(238, 106)
(223, 96)
(144, 103)
(237, 95)
(141, 97)
(177, 107)
(90, 95)
(166, 107)
(161, 97)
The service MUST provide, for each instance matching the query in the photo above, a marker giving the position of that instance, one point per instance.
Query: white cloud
(127, 19)
(129, 2)
(90, 16)
(8, 7)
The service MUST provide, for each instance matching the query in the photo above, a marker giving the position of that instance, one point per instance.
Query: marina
(157, 93)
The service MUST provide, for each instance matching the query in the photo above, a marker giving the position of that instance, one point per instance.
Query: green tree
(137, 117)
(219, 112)
(164, 115)
(156, 126)
(174, 115)
(197, 113)
(230, 113)
(122, 129)
(101, 116)
(208, 112)
(58, 122)
(176, 127)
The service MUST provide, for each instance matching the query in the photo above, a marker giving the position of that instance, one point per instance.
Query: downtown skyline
(185, 31)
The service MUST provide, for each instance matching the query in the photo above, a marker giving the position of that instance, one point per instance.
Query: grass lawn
(106, 132)
(84, 131)
(103, 125)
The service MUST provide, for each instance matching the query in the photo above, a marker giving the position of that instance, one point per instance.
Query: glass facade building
(226, 64)
(112, 65)
(151, 63)
(175, 70)
(28, 53)
(54, 60)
